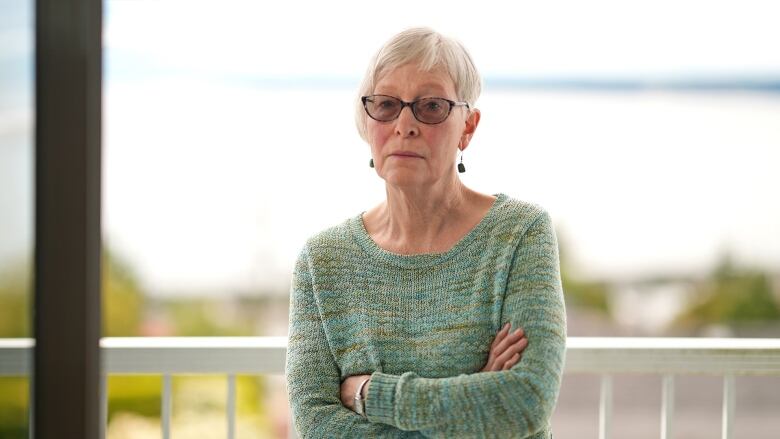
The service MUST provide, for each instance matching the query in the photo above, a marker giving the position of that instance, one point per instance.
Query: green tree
(732, 296)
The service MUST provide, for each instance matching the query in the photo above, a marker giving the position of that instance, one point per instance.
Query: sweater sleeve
(514, 403)
(313, 382)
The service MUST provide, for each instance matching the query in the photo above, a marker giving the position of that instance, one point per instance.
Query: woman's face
(407, 152)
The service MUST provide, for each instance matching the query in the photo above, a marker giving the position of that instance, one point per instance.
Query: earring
(461, 166)
(371, 163)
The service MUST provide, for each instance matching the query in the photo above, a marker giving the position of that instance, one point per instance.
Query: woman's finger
(500, 336)
(511, 362)
(496, 363)
(511, 338)
(514, 349)
(503, 347)
(502, 333)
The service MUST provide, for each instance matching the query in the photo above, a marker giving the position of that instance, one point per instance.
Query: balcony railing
(667, 357)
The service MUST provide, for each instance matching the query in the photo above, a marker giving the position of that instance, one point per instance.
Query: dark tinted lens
(383, 107)
(431, 110)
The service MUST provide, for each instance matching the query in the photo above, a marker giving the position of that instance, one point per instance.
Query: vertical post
(68, 45)
(605, 407)
(31, 411)
(103, 402)
(231, 406)
(166, 407)
(667, 407)
(728, 407)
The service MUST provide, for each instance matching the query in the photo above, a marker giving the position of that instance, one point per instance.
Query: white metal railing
(668, 357)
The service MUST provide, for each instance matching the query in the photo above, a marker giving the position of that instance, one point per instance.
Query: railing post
(231, 406)
(605, 407)
(30, 411)
(728, 406)
(667, 406)
(103, 403)
(166, 407)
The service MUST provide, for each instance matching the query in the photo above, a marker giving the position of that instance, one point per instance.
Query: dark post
(66, 378)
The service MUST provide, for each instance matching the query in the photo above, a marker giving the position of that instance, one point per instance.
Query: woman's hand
(349, 387)
(506, 349)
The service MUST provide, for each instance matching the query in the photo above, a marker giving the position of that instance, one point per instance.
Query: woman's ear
(470, 127)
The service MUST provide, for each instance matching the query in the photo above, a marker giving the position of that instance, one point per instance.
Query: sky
(213, 179)
(601, 37)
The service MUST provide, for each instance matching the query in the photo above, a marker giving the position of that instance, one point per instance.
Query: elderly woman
(409, 319)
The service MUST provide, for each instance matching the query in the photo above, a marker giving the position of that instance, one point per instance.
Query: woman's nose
(406, 125)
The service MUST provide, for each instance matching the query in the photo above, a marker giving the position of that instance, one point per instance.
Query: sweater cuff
(380, 400)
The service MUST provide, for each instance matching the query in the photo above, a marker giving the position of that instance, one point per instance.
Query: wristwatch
(360, 402)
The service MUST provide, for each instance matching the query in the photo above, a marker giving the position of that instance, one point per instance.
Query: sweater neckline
(358, 229)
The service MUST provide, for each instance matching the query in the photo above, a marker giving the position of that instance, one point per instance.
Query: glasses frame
(412, 107)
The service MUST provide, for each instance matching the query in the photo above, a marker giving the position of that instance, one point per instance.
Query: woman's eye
(432, 106)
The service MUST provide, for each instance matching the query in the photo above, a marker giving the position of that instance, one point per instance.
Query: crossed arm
(517, 401)
(505, 351)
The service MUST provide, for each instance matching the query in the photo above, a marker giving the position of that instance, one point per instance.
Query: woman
(400, 317)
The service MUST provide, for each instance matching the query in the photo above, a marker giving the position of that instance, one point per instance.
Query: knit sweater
(421, 326)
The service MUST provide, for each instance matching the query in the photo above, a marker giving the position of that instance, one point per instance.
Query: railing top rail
(673, 343)
(193, 342)
(16, 343)
(266, 355)
(670, 355)
(572, 343)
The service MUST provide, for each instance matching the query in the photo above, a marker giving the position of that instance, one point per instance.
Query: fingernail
(518, 330)
(506, 325)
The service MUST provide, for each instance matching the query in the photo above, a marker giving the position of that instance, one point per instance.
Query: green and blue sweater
(422, 326)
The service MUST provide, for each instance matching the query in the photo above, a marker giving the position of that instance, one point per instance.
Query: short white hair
(429, 50)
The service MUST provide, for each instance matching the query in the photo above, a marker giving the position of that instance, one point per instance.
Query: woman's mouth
(406, 154)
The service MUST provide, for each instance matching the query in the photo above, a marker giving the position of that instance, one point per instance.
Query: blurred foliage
(14, 407)
(579, 292)
(15, 300)
(205, 317)
(142, 394)
(583, 294)
(731, 296)
(15, 322)
(139, 394)
(123, 299)
(204, 393)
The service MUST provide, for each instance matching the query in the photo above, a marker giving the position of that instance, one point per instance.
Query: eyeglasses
(427, 110)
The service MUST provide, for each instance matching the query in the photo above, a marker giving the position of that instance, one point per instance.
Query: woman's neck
(424, 221)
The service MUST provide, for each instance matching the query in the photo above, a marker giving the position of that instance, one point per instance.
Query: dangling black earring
(371, 163)
(461, 166)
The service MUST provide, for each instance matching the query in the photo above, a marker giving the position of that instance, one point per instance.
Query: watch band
(360, 403)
